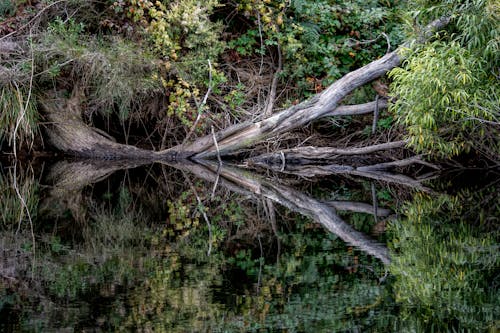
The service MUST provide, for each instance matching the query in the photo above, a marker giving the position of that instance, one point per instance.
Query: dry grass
(18, 116)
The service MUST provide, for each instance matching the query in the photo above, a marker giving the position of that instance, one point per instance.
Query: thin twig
(259, 279)
(261, 44)
(375, 203)
(216, 146)
(201, 208)
(283, 161)
(353, 41)
(216, 183)
(388, 42)
(375, 116)
(25, 107)
(24, 207)
(274, 84)
(200, 106)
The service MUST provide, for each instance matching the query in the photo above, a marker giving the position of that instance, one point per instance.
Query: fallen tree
(70, 134)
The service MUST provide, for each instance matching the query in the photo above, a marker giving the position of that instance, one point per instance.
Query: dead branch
(296, 116)
(322, 153)
(358, 207)
(357, 109)
(239, 136)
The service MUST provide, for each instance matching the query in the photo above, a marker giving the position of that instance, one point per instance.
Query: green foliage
(246, 43)
(320, 40)
(444, 266)
(7, 8)
(447, 92)
(236, 97)
(438, 90)
(182, 33)
(71, 30)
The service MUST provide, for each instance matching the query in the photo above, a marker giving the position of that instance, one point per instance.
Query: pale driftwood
(357, 109)
(358, 207)
(322, 153)
(70, 134)
(242, 135)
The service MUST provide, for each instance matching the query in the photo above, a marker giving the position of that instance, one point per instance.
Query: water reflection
(203, 248)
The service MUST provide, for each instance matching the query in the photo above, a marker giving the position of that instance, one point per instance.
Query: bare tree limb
(323, 153)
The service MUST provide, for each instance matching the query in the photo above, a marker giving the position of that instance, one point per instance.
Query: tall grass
(18, 115)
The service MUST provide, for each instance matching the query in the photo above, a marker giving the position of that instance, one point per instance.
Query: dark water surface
(98, 247)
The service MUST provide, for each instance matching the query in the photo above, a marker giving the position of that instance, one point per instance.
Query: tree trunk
(68, 133)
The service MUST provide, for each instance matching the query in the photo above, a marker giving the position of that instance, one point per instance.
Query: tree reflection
(124, 253)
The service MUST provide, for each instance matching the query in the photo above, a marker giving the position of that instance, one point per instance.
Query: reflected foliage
(135, 258)
(446, 261)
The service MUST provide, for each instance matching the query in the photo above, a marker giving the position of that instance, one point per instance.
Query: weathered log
(243, 135)
(70, 134)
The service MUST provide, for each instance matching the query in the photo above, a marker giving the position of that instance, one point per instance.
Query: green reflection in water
(446, 261)
(133, 258)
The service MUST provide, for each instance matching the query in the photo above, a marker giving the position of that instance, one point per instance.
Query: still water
(106, 247)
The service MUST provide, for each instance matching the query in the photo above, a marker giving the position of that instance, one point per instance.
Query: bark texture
(68, 133)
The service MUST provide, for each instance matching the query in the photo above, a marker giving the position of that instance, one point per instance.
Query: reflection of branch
(201, 208)
(24, 206)
(309, 155)
(358, 207)
(243, 182)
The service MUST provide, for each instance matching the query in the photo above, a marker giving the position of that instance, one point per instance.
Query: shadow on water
(108, 246)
